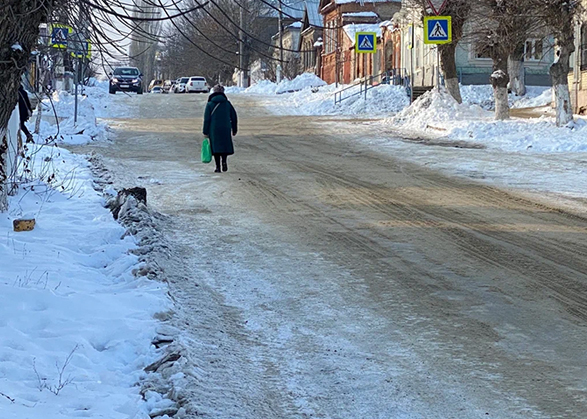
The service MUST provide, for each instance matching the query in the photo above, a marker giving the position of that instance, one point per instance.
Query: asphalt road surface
(320, 278)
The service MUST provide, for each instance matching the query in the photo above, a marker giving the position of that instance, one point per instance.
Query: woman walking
(220, 121)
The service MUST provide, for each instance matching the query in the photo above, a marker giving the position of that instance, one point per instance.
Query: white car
(180, 85)
(197, 84)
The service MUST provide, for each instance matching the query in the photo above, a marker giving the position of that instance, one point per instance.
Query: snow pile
(301, 82)
(263, 87)
(482, 95)
(436, 107)
(233, 90)
(267, 87)
(535, 97)
(381, 100)
(76, 324)
(438, 114)
(62, 104)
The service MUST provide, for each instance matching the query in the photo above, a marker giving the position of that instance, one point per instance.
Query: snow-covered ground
(309, 95)
(95, 102)
(76, 323)
(437, 114)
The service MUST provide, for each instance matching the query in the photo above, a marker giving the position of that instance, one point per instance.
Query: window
(533, 50)
(122, 71)
(330, 37)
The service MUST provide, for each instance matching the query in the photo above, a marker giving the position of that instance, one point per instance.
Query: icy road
(321, 278)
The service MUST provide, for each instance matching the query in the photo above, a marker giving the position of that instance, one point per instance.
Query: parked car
(155, 83)
(167, 85)
(157, 89)
(180, 85)
(197, 84)
(127, 79)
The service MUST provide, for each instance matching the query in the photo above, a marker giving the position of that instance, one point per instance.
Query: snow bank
(482, 95)
(263, 87)
(438, 114)
(267, 87)
(76, 324)
(381, 100)
(95, 102)
(303, 81)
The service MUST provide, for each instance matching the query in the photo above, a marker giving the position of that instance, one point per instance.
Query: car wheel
(112, 91)
(140, 92)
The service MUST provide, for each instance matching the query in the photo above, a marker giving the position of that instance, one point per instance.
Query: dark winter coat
(24, 104)
(220, 122)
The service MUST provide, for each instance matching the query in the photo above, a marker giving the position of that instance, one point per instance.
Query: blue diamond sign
(366, 42)
(437, 30)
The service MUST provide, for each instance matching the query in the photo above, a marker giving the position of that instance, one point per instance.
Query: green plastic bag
(206, 151)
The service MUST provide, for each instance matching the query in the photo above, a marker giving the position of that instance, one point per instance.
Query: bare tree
(111, 22)
(503, 25)
(206, 42)
(19, 33)
(460, 11)
(558, 16)
(516, 71)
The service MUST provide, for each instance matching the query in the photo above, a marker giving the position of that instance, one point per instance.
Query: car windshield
(126, 72)
(184, 79)
(198, 79)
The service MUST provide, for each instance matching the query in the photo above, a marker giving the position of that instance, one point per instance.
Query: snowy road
(320, 278)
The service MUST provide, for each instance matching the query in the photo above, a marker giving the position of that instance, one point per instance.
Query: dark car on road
(126, 79)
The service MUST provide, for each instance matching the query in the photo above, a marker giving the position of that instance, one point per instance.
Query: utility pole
(280, 24)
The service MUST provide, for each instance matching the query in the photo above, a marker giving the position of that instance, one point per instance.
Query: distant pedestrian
(220, 124)
(25, 111)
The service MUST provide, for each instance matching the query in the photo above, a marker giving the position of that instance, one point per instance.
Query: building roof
(295, 9)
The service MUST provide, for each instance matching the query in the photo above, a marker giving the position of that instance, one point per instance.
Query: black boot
(224, 164)
(217, 161)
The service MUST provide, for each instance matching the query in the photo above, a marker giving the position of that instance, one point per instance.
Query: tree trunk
(459, 11)
(499, 81)
(19, 32)
(559, 73)
(449, 70)
(516, 71)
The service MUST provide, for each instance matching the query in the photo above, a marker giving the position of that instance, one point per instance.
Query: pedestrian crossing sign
(58, 35)
(366, 42)
(437, 30)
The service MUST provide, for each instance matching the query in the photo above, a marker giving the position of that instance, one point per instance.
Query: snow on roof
(295, 25)
(352, 29)
(361, 14)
